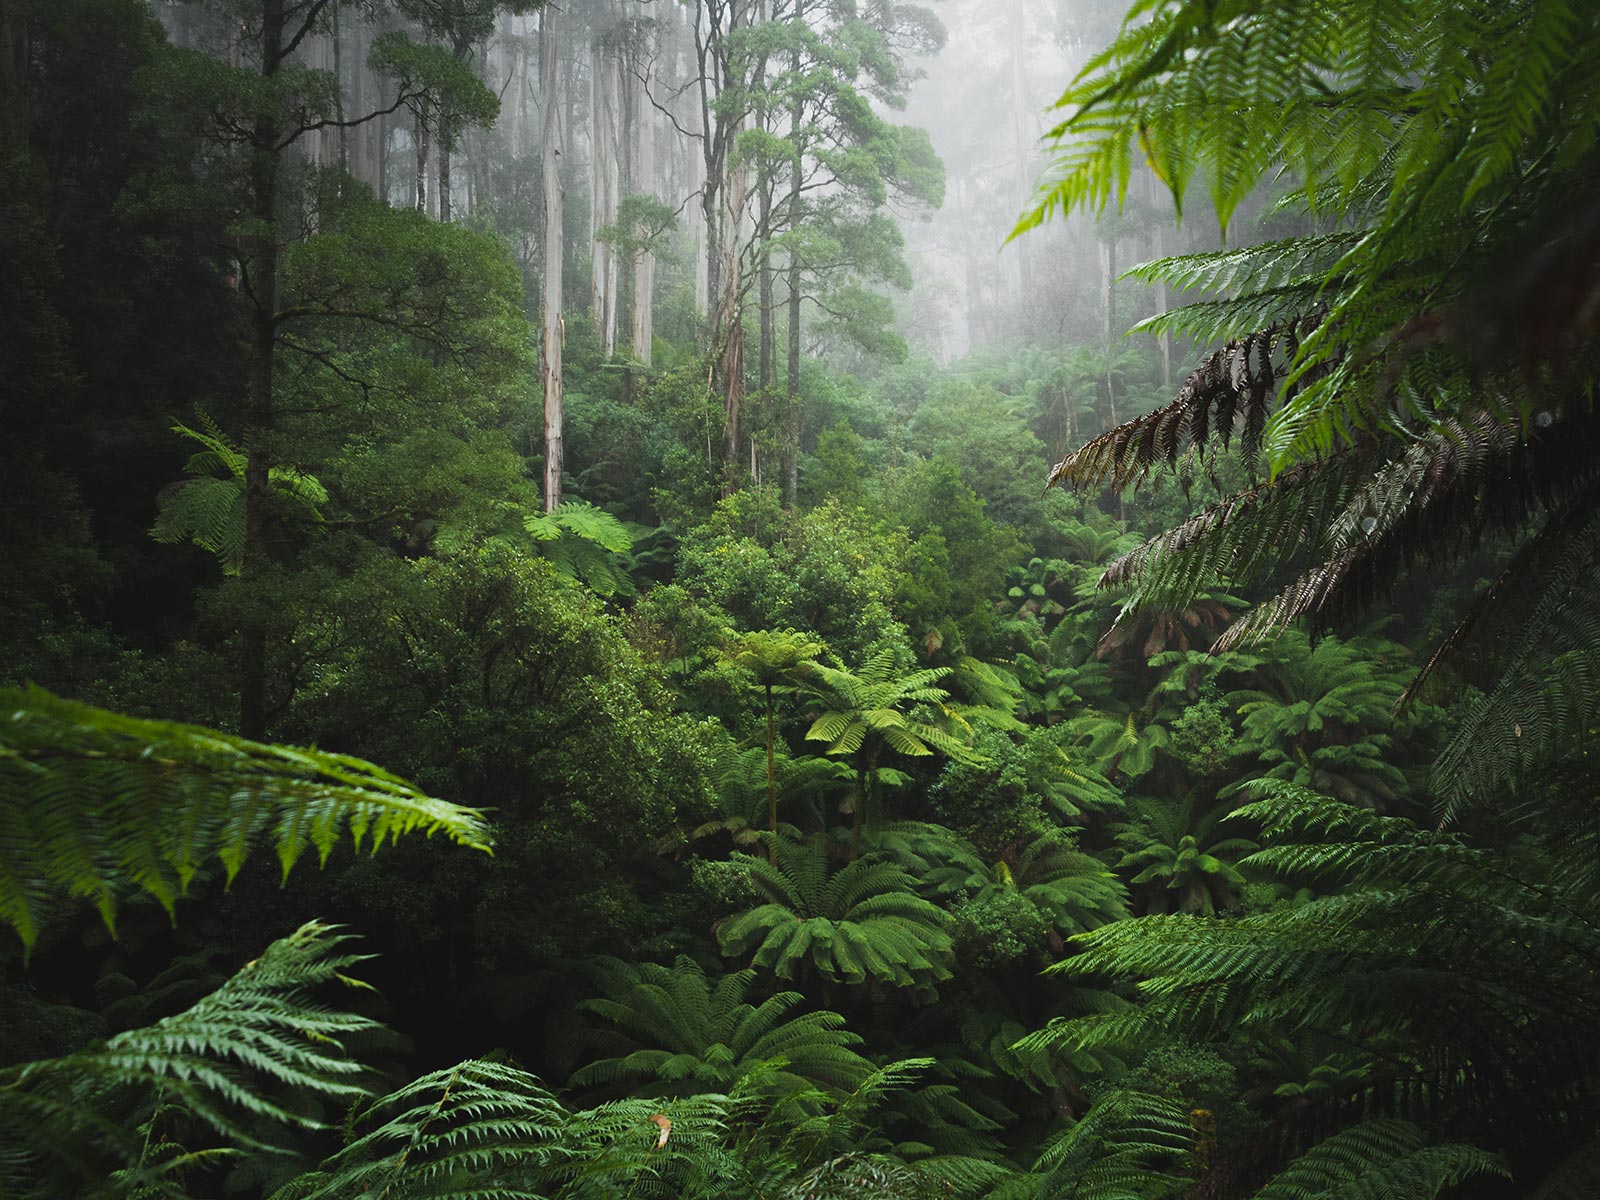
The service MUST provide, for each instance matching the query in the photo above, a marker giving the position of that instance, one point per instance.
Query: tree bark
(445, 201)
(420, 139)
(768, 333)
(644, 267)
(261, 263)
(550, 365)
(338, 74)
(792, 217)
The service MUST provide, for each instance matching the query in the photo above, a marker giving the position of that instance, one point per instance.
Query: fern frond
(1382, 1159)
(95, 798)
(218, 1061)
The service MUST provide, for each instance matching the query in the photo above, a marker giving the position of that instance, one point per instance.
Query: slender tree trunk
(338, 74)
(1108, 291)
(730, 322)
(768, 334)
(549, 87)
(644, 267)
(421, 136)
(792, 376)
(446, 202)
(261, 254)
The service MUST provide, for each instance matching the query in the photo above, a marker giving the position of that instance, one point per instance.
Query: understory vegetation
(521, 676)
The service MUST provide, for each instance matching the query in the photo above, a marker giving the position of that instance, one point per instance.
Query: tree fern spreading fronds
(1478, 963)
(586, 543)
(1420, 377)
(677, 1032)
(1128, 1146)
(218, 1061)
(490, 1130)
(1381, 1159)
(477, 1125)
(208, 507)
(94, 799)
(852, 922)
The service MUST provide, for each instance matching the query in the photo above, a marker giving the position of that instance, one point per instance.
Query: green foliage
(1181, 863)
(208, 508)
(870, 704)
(1391, 374)
(852, 922)
(76, 1117)
(1378, 1158)
(483, 1127)
(583, 542)
(445, 92)
(1128, 1146)
(95, 799)
(1406, 925)
(1035, 894)
(675, 1031)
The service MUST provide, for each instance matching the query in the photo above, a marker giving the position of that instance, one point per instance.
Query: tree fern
(852, 922)
(1415, 381)
(95, 800)
(585, 543)
(478, 1128)
(1128, 1146)
(208, 507)
(1449, 963)
(221, 1061)
(1381, 1159)
(673, 1031)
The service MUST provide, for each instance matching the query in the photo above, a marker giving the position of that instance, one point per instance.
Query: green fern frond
(94, 799)
(585, 543)
(1382, 1159)
(218, 1061)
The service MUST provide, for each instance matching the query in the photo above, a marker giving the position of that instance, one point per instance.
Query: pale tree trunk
(644, 268)
(420, 140)
(550, 365)
(792, 376)
(768, 333)
(763, 234)
(604, 172)
(1108, 291)
(730, 316)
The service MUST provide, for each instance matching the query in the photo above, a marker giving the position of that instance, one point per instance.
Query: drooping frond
(210, 513)
(584, 543)
(1380, 1159)
(219, 1061)
(1543, 631)
(1422, 376)
(1128, 1146)
(672, 1032)
(1474, 959)
(478, 1125)
(208, 507)
(1236, 384)
(94, 799)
